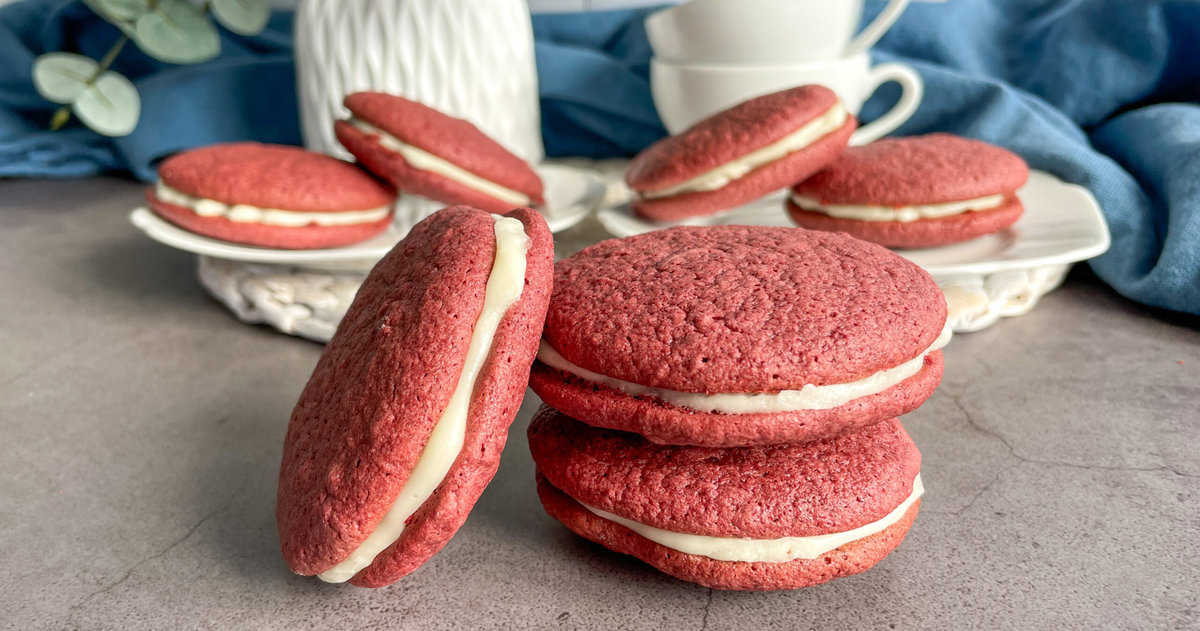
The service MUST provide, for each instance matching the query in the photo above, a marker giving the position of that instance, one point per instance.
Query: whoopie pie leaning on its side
(740, 154)
(401, 425)
(425, 152)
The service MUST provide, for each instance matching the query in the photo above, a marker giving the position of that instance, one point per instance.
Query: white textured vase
(468, 58)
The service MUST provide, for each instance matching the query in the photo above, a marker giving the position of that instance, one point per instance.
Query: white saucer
(987, 278)
(570, 195)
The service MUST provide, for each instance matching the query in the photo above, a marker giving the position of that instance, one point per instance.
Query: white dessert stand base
(296, 301)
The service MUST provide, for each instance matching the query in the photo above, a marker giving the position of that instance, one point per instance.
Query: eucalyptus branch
(171, 31)
(108, 58)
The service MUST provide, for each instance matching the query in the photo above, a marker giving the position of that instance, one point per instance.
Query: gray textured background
(140, 433)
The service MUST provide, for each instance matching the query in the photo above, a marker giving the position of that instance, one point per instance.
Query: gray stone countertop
(141, 429)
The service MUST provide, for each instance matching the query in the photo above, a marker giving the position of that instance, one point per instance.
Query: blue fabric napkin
(1102, 93)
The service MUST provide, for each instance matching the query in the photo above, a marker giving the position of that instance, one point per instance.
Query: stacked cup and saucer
(712, 54)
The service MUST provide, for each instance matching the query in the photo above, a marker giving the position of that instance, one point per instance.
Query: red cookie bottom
(852, 558)
(922, 233)
(310, 237)
(667, 424)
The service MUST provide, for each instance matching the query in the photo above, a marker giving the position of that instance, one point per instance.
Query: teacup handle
(876, 29)
(912, 86)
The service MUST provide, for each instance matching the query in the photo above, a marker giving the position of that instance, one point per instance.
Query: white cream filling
(809, 397)
(504, 288)
(863, 212)
(764, 550)
(425, 161)
(717, 178)
(245, 213)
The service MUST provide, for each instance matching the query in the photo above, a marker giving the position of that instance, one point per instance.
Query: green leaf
(62, 77)
(177, 31)
(119, 10)
(110, 106)
(244, 17)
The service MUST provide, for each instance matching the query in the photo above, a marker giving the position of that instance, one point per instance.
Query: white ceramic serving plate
(995, 276)
(570, 195)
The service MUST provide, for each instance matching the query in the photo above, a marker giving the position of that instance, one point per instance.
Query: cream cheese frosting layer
(905, 214)
(764, 550)
(245, 213)
(809, 397)
(504, 286)
(719, 177)
(420, 159)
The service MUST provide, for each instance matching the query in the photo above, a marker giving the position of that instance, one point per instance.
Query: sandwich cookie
(914, 192)
(402, 423)
(272, 196)
(750, 518)
(425, 152)
(739, 335)
(740, 154)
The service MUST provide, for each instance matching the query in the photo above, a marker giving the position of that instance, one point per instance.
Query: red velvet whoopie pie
(401, 425)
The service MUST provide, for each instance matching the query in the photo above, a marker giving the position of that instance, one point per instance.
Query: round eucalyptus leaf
(61, 77)
(244, 17)
(119, 10)
(177, 31)
(110, 106)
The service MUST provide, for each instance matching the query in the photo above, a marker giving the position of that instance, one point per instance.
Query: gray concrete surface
(140, 431)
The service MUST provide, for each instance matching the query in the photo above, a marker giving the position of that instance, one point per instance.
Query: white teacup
(764, 31)
(687, 93)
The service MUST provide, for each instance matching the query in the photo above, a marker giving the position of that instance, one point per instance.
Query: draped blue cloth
(1103, 93)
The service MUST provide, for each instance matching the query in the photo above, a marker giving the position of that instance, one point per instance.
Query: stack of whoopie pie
(721, 401)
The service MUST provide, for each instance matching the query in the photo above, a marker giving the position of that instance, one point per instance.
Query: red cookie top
(917, 170)
(726, 136)
(384, 381)
(274, 176)
(452, 139)
(757, 492)
(741, 309)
